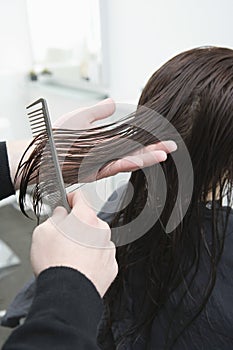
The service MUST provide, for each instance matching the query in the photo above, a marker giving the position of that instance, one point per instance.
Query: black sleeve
(6, 186)
(64, 314)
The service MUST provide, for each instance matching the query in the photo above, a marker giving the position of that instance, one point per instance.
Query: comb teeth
(37, 118)
(40, 122)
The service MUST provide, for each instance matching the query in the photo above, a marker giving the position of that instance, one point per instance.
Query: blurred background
(75, 53)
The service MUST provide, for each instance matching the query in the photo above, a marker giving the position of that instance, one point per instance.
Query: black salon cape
(66, 308)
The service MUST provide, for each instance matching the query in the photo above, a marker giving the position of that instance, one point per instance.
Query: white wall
(143, 34)
(15, 61)
(14, 37)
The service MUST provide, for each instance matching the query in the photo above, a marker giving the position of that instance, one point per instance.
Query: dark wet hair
(194, 92)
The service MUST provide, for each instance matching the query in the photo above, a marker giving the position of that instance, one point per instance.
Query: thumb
(101, 110)
(59, 214)
(81, 208)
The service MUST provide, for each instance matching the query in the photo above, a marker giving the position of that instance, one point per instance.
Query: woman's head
(194, 91)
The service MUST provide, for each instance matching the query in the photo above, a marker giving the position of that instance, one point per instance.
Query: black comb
(50, 176)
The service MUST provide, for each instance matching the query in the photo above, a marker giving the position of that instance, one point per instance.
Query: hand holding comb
(50, 172)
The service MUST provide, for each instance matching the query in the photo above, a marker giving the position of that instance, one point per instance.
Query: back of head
(194, 91)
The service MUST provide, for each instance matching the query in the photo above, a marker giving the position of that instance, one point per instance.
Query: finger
(144, 160)
(101, 110)
(132, 163)
(166, 146)
(81, 118)
(163, 146)
(83, 226)
(75, 198)
(81, 208)
(59, 214)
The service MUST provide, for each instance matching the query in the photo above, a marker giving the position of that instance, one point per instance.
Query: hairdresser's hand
(78, 240)
(84, 118)
(142, 158)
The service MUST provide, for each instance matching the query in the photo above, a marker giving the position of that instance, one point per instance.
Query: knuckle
(116, 268)
(93, 218)
(42, 228)
(107, 237)
(112, 246)
(104, 225)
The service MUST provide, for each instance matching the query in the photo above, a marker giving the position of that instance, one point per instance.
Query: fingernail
(171, 145)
